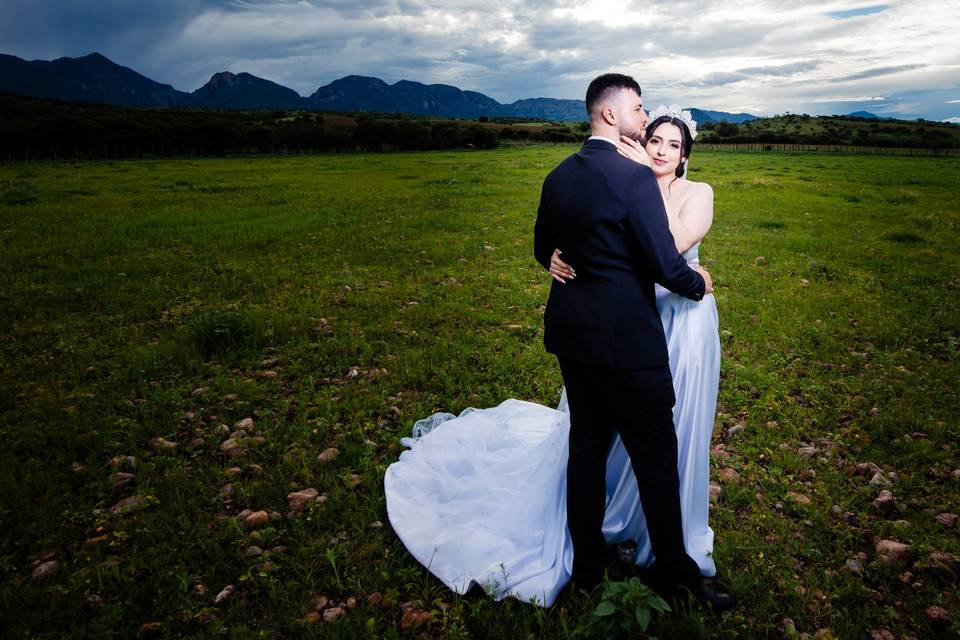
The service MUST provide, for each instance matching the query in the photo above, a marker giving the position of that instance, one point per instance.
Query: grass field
(149, 306)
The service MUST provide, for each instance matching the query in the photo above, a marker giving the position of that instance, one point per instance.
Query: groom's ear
(609, 114)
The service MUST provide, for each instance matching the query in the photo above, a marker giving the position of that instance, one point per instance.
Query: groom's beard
(634, 134)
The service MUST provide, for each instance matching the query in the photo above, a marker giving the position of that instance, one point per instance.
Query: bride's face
(665, 147)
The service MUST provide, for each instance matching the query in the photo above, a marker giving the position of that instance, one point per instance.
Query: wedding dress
(480, 498)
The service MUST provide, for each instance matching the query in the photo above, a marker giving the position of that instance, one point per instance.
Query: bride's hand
(629, 148)
(560, 269)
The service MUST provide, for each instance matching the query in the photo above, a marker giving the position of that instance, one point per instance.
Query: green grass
(150, 298)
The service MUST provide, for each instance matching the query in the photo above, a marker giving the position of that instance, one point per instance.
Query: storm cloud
(761, 56)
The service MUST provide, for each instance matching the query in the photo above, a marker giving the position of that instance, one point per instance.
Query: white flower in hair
(676, 111)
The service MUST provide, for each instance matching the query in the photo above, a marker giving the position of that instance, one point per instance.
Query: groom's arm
(647, 220)
(544, 241)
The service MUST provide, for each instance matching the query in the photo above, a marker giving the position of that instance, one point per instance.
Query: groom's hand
(630, 148)
(707, 280)
(560, 269)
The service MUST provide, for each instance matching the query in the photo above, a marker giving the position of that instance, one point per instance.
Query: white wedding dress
(480, 498)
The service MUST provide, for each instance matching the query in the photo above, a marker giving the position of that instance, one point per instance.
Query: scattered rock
(95, 541)
(943, 565)
(715, 492)
(200, 590)
(199, 391)
(759, 261)
(880, 479)
(892, 552)
(319, 603)
(128, 504)
(789, 627)
(874, 412)
(333, 613)
(799, 498)
(947, 519)
(807, 452)
(45, 570)
(938, 615)
(297, 500)
(352, 480)
(231, 447)
(159, 444)
(246, 424)
(729, 475)
(719, 453)
(256, 519)
(228, 591)
(885, 503)
(866, 469)
(228, 490)
(253, 551)
(413, 616)
(881, 634)
(313, 617)
(854, 567)
(150, 630)
(328, 454)
(351, 603)
(375, 599)
(735, 429)
(121, 478)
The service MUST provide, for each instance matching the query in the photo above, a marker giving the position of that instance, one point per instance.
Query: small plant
(217, 333)
(626, 609)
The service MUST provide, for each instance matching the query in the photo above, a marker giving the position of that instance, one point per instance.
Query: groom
(606, 214)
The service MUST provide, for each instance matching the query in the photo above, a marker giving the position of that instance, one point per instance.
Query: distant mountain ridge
(865, 114)
(92, 78)
(95, 78)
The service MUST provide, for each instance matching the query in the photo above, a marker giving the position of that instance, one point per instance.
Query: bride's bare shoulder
(701, 189)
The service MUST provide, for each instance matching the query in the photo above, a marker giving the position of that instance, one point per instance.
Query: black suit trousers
(638, 404)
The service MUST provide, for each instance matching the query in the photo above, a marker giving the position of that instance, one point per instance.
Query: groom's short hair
(602, 86)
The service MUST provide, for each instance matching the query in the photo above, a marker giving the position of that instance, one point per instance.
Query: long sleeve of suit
(544, 241)
(647, 220)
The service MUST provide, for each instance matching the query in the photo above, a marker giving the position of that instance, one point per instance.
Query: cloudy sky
(758, 56)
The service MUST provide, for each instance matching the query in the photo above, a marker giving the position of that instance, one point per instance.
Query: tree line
(852, 131)
(32, 128)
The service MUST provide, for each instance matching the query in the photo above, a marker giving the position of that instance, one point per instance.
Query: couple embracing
(523, 499)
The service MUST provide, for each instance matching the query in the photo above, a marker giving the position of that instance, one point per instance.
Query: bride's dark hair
(686, 140)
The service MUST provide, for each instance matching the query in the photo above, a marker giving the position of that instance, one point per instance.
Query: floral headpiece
(675, 111)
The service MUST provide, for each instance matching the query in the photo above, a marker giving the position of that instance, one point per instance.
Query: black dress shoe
(710, 599)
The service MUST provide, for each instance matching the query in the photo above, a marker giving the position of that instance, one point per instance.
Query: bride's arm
(691, 224)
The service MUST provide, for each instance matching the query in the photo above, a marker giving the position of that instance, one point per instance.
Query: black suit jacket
(605, 213)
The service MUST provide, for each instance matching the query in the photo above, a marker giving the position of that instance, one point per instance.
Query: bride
(480, 498)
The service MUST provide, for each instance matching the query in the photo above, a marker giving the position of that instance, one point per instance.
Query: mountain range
(95, 78)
